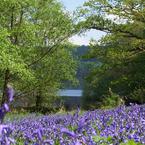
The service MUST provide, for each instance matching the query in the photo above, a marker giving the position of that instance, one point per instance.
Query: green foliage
(131, 142)
(120, 52)
(112, 100)
(102, 140)
(10, 57)
(108, 140)
(35, 50)
(139, 95)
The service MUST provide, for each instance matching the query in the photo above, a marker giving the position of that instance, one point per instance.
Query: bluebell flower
(68, 132)
(6, 107)
(10, 93)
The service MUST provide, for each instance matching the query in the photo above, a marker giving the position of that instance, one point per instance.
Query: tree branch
(107, 30)
(48, 51)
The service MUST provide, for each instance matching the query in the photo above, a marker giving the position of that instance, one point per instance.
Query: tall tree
(30, 33)
(120, 52)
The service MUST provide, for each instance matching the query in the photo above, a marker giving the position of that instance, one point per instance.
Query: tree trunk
(6, 81)
(7, 72)
(38, 101)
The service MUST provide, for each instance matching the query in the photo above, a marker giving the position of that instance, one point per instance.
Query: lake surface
(70, 93)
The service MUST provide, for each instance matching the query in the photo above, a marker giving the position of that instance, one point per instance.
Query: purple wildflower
(10, 93)
(6, 107)
(2, 127)
(68, 132)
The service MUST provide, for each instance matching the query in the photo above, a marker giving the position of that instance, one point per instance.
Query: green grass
(12, 116)
(131, 142)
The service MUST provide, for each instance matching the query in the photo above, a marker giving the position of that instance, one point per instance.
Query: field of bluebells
(106, 127)
(90, 128)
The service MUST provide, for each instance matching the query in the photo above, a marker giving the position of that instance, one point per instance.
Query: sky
(71, 5)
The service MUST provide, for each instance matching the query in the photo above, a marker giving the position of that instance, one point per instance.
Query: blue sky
(71, 5)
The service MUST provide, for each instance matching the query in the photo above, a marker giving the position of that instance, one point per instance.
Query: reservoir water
(70, 93)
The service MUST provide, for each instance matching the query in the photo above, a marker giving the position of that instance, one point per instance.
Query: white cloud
(116, 19)
(85, 39)
(79, 40)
